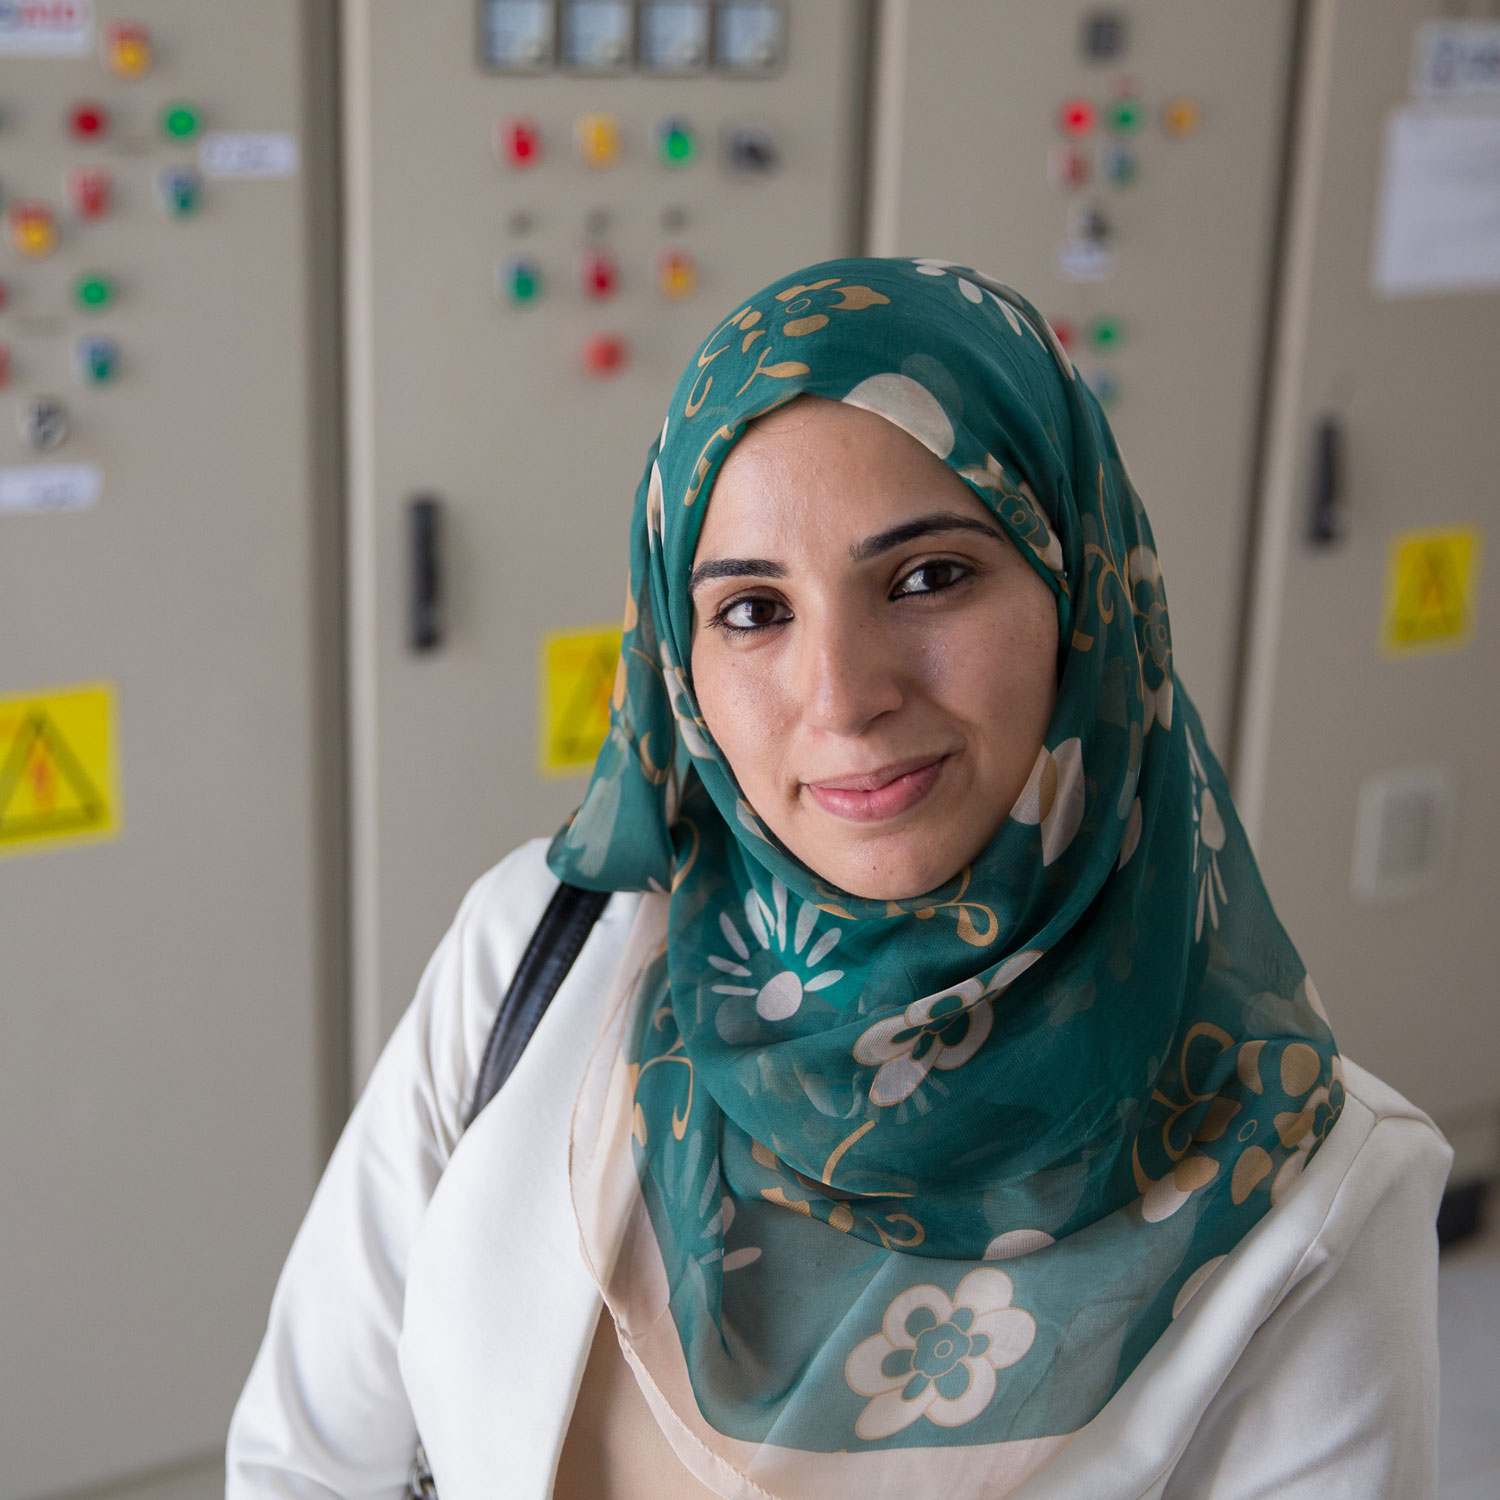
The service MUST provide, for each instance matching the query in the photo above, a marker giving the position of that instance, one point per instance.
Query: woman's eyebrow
(909, 531)
(734, 567)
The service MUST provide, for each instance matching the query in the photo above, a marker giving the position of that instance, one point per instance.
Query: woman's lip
(878, 795)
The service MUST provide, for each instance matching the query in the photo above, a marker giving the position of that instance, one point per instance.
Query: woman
(939, 1107)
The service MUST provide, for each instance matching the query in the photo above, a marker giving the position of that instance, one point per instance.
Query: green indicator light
(94, 293)
(678, 144)
(180, 121)
(1126, 116)
(1106, 333)
(525, 282)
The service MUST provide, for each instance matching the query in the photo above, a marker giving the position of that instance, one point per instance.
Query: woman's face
(872, 654)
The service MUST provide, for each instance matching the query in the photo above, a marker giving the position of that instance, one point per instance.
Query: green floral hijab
(863, 1181)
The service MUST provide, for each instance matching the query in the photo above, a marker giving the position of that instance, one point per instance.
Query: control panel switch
(180, 190)
(1069, 166)
(89, 189)
(98, 360)
(44, 423)
(4, 366)
(127, 49)
(750, 150)
(605, 354)
(33, 230)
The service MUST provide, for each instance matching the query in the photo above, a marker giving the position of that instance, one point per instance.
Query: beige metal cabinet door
(1118, 165)
(494, 175)
(164, 990)
(1410, 384)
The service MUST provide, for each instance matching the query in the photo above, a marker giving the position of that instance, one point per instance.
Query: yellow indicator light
(128, 50)
(676, 275)
(1181, 118)
(33, 232)
(599, 140)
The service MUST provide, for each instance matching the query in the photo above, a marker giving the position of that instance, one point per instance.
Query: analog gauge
(516, 36)
(674, 36)
(752, 35)
(596, 35)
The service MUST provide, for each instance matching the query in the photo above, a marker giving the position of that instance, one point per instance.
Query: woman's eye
(931, 577)
(752, 614)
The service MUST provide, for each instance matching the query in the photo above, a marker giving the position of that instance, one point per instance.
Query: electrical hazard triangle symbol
(1430, 590)
(56, 768)
(578, 673)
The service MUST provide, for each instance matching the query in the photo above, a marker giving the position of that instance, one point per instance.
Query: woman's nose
(849, 674)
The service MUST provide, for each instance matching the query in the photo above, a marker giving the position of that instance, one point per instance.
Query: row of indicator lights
(600, 143)
(33, 225)
(96, 358)
(1179, 118)
(675, 272)
(90, 121)
(1104, 334)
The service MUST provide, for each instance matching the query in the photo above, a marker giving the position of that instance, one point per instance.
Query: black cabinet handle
(1325, 523)
(424, 538)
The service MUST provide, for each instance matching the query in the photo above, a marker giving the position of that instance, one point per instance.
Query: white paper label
(1085, 260)
(1457, 59)
(248, 153)
(1438, 228)
(39, 489)
(46, 28)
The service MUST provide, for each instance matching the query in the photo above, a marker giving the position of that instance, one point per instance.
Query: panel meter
(596, 35)
(752, 36)
(516, 36)
(674, 36)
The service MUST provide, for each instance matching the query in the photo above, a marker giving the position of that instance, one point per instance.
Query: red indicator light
(89, 189)
(88, 122)
(599, 277)
(1066, 334)
(1077, 117)
(521, 142)
(604, 354)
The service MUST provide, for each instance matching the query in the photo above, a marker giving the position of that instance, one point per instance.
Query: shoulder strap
(559, 936)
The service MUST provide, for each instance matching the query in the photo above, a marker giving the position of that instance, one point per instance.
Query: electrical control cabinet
(1118, 164)
(168, 713)
(1367, 771)
(548, 207)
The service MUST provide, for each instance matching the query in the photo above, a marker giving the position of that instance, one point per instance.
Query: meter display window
(516, 36)
(597, 35)
(674, 36)
(751, 36)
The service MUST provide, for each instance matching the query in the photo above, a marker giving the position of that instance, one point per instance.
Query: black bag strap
(556, 943)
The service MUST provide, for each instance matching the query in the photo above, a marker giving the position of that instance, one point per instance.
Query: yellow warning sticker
(57, 768)
(1431, 581)
(578, 675)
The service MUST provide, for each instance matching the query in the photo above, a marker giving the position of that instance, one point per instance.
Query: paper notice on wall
(1438, 227)
(1456, 59)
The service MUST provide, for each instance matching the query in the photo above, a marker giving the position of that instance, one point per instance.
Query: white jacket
(436, 1283)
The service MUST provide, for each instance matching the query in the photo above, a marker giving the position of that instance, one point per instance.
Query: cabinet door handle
(1325, 522)
(424, 537)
